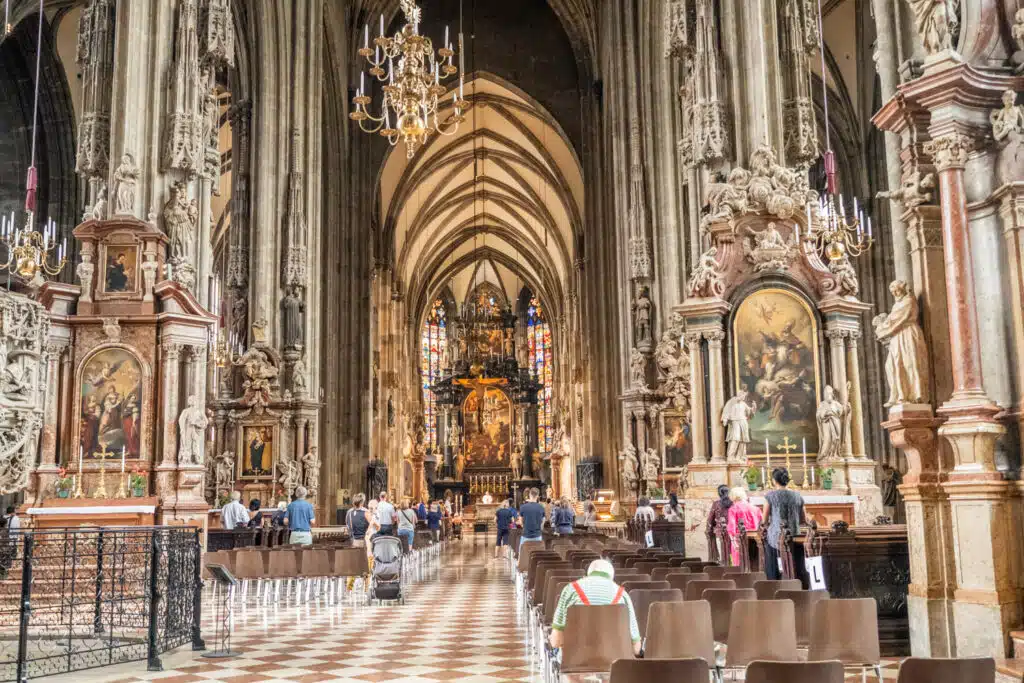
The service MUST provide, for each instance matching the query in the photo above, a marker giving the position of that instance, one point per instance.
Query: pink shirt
(750, 515)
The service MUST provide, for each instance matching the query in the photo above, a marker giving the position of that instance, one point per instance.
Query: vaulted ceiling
(500, 202)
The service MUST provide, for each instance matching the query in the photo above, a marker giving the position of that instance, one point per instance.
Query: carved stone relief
(766, 187)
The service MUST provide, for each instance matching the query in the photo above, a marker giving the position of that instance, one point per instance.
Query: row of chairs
(695, 670)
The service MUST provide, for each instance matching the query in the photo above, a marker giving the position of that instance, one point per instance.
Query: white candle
(812, 476)
(382, 24)
(366, 35)
(767, 455)
(122, 459)
(80, 455)
(445, 36)
(804, 444)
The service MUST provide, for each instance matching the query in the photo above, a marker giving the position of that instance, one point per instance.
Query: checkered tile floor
(460, 622)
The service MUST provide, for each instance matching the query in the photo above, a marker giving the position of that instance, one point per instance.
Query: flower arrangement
(137, 483)
(223, 499)
(64, 484)
(825, 475)
(751, 474)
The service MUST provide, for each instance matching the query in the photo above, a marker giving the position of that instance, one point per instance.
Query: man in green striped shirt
(597, 588)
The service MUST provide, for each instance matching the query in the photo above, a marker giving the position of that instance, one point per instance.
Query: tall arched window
(538, 341)
(433, 344)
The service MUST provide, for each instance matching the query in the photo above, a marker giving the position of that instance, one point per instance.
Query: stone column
(49, 453)
(169, 393)
(698, 410)
(418, 476)
(716, 379)
(857, 408)
(300, 441)
(1011, 210)
(924, 231)
(556, 474)
(65, 406)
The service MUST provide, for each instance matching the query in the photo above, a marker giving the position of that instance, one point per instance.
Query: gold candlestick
(101, 490)
(78, 485)
(122, 490)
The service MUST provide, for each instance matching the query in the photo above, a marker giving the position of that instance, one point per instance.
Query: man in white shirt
(234, 513)
(386, 515)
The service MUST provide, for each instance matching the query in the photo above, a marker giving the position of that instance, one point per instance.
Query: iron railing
(79, 598)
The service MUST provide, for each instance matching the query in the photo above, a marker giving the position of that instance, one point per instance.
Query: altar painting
(488, 428)
(677, 441)
(775, 359)
(111, 404)
(120, 273)
(257, 451)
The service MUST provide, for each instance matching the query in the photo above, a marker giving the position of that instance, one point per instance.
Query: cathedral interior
(455, 249)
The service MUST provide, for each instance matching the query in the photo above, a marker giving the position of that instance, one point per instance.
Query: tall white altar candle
(80, 453)
(767, 455)
(122, 459)
(805, 457)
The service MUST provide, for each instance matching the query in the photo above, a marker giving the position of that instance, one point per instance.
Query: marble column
(924, 231)
(65, 407)
(49, 456)
(856, 404)
(556, 475)
(716, 381)
(169, 392)
(1011, 211)
(698, 411)
(300, 440)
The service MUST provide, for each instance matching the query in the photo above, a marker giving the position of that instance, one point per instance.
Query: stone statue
(223, 468)
(638, 369)
(891, 481)
(630, 469)
(1017, 31)
(706, 279)
(510, 345)
(932, 18)
(192, 425)
(289, 474)
(259, 374)
(846, 277)
(125, 177)
(768, 250)
(832, 418)
(1008, 131)
(311, 470)
(99, 209)
(299, 377)
(642, 316)
(912, 191)
(906, 365)
(180, 222)
(294, 309)
(460, 464)
(516, 463)
(651, 467)
(240, 316)
(14, 383)
(736, 419)
(84, 271)
(673, 364)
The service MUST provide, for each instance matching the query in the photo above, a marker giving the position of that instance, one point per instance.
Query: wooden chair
(761, 629)
(647, 585)
(747, 579)
(721, 601)
(795, 672)
(595, 637)
(695, 589)
(680, 580)
(680, 630)
(766, 589)
(917, 670)
(647, 670)
(803, 604)
(643, 598)
(846, 630)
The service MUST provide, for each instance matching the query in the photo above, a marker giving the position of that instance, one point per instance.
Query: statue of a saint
(651, 467)
(832, 418)
(846, 276)
(240, 317)
(223, 468)
(289, 474)
(630, 467)
(192, 425)
(311, 470)
(299, 378)
(638, 369)
(125, 177)
(1008, 122)
(906, 365)
(510, 345)
(99, 209)
(932, 19)
(516, 463)
(706, 279)
(736, 419)
(180, 222)
(642, 316)
(294, 310)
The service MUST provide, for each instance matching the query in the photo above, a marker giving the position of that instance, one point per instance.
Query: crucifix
(787, 448)
(515, 493)
(101, 490)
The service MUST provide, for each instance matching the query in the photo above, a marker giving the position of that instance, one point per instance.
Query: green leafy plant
(751, 474)
(136, 480)
(825, 475)
(223, 499)
(64, 481)
(656, 492)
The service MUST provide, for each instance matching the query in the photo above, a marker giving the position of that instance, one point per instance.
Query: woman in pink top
(741, 509)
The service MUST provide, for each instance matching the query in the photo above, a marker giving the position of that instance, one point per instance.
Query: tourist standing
(719, 510)
(11, 520)
(421, 511)
(644, 511)
(406, 525)
(434, 521)
(256, 522)
(386, 515)
(300, 519)
(504, 518)
(563, 517)
(589, 515)
(234, 514)
(782, 510)
(597, 588)
(741, 510)
(357, 521)
(277, 520)
(672, 511)
(533, 515)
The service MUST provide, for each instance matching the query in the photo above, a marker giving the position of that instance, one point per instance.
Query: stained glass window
(538, 342)
(433, 344)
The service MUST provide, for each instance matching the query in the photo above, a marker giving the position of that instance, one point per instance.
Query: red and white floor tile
(460, 622)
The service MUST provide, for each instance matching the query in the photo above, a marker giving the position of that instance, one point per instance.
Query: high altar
(487, 413)
(768, 337)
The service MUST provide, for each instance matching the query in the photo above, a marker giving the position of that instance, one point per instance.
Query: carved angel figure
(630, 468)
(911, 192)
(906, 364)
(846, 276)
(126, 176)
(832, 417)
(99, 209)
(727, 198)
(932, 18)
(706, 279)
(1008, 122)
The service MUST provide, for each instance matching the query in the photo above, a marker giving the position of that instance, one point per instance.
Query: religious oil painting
(111, 404)
(677, 441)
(256, 451)
(775, 360)
(488, 428)
(120, 272)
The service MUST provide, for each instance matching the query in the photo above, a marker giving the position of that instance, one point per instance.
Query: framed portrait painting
(257, 451)
(110, 404)
(676, 441)
(120, 269)
(776, 361)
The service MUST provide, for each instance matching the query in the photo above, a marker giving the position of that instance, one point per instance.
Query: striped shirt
(599, 591)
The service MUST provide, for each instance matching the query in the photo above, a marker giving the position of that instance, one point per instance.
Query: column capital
(950, 150)
(171, 349)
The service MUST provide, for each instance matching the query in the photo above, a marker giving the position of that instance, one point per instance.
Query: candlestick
(767, 455)
(804, 448)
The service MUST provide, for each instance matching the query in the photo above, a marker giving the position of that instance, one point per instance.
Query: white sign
(649, 539)
(816, 572)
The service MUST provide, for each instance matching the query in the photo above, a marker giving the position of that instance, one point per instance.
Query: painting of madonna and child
(111, 400)
(775, 355)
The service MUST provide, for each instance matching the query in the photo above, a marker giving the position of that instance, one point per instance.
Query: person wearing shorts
(504, 519)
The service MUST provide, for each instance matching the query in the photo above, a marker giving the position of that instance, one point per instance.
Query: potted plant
(825, 475)
(137, 483)
(751, 475)
(223, 499)
(64, 484)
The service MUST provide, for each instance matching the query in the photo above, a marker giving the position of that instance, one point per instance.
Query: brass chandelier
(413, 84)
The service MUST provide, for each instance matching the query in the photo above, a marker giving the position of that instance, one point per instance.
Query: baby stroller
(386, 581)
